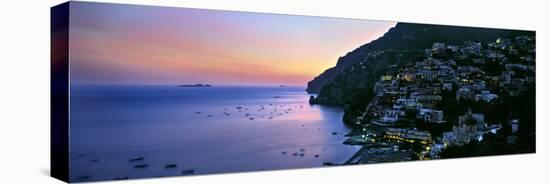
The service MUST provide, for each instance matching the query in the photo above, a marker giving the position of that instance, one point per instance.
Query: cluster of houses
(415, 92)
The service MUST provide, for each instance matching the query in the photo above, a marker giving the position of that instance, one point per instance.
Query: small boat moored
(140, 166)
(189, 171)
(168, 166)
(134, 159)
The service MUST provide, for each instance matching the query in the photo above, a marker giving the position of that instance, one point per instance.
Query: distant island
(195, 85)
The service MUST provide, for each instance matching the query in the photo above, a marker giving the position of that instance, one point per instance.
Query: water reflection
(208, 130)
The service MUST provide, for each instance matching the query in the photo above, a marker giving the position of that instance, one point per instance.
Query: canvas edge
(59, 92)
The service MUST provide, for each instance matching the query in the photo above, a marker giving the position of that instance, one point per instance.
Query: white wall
(24, 94)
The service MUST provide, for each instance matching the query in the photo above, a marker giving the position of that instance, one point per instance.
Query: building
(506, 76)
(408, 135)
(428, 101)
(464, 93)
(449, 139)
(428, 75)
(386, 78)
(431, 116)
(470, 127)
(502, 43)
(392, 115)
(478, 85)
(472, 118)
(485, 96)
(514, 123)
(472, 48)
(447, 87)
(405, 103)
(438, 45)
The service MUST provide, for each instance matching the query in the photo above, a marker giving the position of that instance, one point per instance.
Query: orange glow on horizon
(213, 48)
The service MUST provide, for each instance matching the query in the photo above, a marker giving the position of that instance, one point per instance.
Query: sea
(138, 131)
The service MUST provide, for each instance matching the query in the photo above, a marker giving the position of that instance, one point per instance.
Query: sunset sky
(125, 44)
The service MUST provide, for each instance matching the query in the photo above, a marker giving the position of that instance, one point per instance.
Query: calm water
(204, 129)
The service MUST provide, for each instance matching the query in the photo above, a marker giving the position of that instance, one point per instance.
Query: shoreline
(355, 156)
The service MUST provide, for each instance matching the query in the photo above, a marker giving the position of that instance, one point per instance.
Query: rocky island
(195, 85)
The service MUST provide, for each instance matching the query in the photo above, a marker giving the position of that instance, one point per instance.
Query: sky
(129, 44)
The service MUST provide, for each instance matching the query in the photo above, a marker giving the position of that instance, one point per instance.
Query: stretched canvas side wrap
(148, 91)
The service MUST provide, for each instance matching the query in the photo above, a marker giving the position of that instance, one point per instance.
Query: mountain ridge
(409, 36)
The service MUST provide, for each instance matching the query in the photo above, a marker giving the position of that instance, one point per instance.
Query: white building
(406, 103)
(392, 115)
(447, 87)
(431, 116)
(485, 96)
(469, 128)
(438, 45)
(515, 125)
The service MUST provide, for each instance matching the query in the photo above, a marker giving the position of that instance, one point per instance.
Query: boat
(171, 166)
(189, 171)
(140, 166)
(134, 159)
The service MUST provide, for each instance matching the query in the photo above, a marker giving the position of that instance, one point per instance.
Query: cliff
(406, 36)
